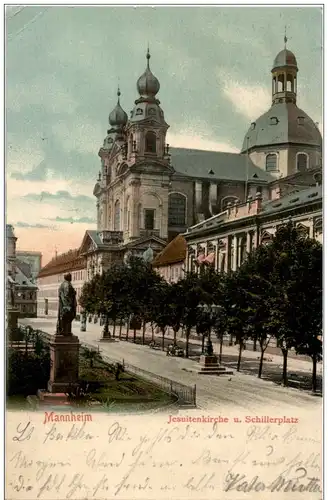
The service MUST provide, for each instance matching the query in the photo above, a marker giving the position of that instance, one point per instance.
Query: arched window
(301, 162)
(281, 83)
(228, 199)
(117, 216)
(271, 162)
(290, 83)
(150, 142)
(177, 209)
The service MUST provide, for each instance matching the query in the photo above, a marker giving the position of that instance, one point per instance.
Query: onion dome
(118, 116)
(147, 84)
(283, 59)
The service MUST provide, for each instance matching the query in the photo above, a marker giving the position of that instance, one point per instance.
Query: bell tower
(146, 129)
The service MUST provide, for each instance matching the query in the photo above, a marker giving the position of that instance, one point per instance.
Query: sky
(63, 66)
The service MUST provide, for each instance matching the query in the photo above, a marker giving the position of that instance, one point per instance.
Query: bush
(26, 373)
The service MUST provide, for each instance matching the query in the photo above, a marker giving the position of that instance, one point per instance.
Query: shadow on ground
(271, 372)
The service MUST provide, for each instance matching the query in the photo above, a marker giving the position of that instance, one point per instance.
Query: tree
(286, 277)
(140, 283)
(160, 306)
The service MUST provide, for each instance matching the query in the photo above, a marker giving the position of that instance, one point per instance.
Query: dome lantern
(284, 76)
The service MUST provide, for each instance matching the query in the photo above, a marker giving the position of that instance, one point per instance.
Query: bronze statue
(66, 306)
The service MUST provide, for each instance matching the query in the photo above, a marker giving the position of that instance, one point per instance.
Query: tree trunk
(187, 342)
(284, 369)
(106, 334)
(221, 345)
(120, 332)
(163, 337)
(114, 327)
(152, 332)
(134, 335)
(203, 343)
(254, 345)
(174, 337)
(231, 339)
(261, 361)
(91, 362)
(241, 347)
(143, 332)
(127, 329)
(314, 373)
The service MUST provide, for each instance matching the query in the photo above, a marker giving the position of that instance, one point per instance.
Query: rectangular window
(149, 219)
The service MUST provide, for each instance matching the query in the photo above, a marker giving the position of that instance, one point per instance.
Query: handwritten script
(115, 456)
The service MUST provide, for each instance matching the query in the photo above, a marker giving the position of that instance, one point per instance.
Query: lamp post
(212, 311)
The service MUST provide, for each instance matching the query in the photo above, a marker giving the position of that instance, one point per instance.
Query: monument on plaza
(208, 362)
(64, 346)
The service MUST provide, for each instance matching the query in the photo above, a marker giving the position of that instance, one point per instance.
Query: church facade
(147, 193)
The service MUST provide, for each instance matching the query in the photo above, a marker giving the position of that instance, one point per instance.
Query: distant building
(32, 259)
(52, 275)
(21, 288)
(170, 262)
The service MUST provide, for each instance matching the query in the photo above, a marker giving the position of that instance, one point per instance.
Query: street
(241, 390)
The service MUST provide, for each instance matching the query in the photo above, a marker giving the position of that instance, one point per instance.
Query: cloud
(195, 134)
(59, 195)
(250, 100)
(46, 92)
(38, 226)
(72, 220)
(190, 140)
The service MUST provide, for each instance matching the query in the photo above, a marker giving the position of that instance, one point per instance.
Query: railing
(185, 394)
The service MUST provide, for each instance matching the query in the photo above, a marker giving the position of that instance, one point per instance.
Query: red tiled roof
(174, 252)
(65, 262)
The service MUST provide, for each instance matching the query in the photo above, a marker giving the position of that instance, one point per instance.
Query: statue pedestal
(64, 371)
(208, 365)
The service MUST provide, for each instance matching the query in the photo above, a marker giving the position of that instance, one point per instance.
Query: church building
(148, 193)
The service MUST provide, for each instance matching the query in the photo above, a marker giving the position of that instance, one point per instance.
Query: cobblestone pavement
(241, 391)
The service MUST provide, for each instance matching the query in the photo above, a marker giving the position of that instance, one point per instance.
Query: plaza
(240, 391)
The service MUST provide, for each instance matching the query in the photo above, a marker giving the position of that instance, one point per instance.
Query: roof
(289, 201)
(174, 252)
(65, 262)
(293, 200)
(24, 267)
(21, 280)
(281, 125)
(285, 58)
(215, 165)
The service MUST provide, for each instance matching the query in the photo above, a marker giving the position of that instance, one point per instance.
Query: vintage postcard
(164, 252)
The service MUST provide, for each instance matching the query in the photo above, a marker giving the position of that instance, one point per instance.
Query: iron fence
(185, 394)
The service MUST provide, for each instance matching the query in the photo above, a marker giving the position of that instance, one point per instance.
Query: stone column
(235, 252)
(311, 234)
(248, 242)
(64, 371)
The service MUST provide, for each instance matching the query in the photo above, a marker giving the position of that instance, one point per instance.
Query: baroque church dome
(118, 117)
(284, 123)
(148, 85)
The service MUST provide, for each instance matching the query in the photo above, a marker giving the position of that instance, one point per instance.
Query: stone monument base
(106, 339)
(64, 371)
(208, 365)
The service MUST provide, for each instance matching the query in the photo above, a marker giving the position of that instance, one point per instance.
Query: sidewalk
(294, 363)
